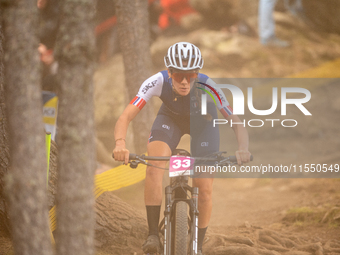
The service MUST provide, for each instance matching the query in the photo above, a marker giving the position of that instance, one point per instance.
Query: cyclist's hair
(183, 56)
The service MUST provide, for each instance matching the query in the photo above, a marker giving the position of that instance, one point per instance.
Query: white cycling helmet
(184, 52)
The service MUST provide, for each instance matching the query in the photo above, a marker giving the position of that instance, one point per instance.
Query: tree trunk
(120, 228)
(26, 182)
(4, 143)
(76, 140)
(133, 29)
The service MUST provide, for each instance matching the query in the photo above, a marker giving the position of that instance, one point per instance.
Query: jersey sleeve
(150, 87)
(219, 97)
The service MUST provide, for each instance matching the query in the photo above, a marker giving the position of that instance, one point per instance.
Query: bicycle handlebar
(234, 159)
(133, 156)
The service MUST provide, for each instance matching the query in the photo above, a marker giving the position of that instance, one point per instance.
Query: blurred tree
(4, 143)
(76, 140)
(133, 29)
(26, 180)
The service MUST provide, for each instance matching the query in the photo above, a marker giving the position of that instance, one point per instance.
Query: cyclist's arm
(120, 151)
(242, 154)
(150, 87)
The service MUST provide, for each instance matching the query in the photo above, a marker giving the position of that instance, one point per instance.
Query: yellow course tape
(113, 179)
(327, 70)
(48, 153)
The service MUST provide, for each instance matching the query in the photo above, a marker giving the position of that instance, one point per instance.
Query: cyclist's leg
(204, 207)
(205, 140)
(154, 176)
(204, 200)
(164, 137)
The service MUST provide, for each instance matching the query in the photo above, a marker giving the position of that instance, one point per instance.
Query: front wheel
(181, 229)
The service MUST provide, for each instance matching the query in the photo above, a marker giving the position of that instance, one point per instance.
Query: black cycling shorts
(205, 138)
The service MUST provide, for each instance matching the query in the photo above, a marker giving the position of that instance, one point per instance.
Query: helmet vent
(183, 56)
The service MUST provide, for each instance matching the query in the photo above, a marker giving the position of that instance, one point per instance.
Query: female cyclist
(180, 88)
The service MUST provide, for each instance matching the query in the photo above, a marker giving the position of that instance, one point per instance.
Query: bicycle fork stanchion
(194, 222)
(167, 225)
(177, 193)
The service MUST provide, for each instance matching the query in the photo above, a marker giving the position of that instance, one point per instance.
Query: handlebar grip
(234, 159)
(132, 156)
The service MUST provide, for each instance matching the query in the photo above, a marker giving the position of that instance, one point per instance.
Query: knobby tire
(181, 229)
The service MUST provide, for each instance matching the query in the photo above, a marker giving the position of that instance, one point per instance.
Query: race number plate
(181, 165)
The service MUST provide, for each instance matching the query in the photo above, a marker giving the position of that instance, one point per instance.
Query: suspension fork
(167, 225)
(194, 221)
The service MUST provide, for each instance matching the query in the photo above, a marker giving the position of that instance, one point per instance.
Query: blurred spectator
(48, 28)
(267, 25)
(49, 22)
(173, 11)
(49, 69)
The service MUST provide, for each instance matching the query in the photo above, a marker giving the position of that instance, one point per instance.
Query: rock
(192, 21)
(221, 13)
(247, 224)
(213, 38)
(230, 47)
(217, 12)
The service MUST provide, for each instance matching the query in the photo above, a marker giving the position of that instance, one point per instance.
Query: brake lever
(133, 164)
(224, 161)
(227, 162)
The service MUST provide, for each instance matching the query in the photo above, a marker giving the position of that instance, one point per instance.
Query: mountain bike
(179, 227)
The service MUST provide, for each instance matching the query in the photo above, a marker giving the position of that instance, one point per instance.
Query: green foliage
(300, 216)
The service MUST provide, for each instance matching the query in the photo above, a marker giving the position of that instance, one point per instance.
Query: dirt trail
(264, 214)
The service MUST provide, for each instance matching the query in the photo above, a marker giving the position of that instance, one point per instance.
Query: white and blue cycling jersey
(179, 115)
(160, 85)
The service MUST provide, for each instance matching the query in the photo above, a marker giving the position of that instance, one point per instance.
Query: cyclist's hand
(121, 154)
(242, 156)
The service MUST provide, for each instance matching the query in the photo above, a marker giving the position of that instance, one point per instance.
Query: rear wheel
(181, 229)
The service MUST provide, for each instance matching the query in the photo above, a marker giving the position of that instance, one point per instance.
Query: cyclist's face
(183, 81)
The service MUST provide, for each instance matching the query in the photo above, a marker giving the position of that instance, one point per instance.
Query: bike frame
(180, 191)
(175, 192)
